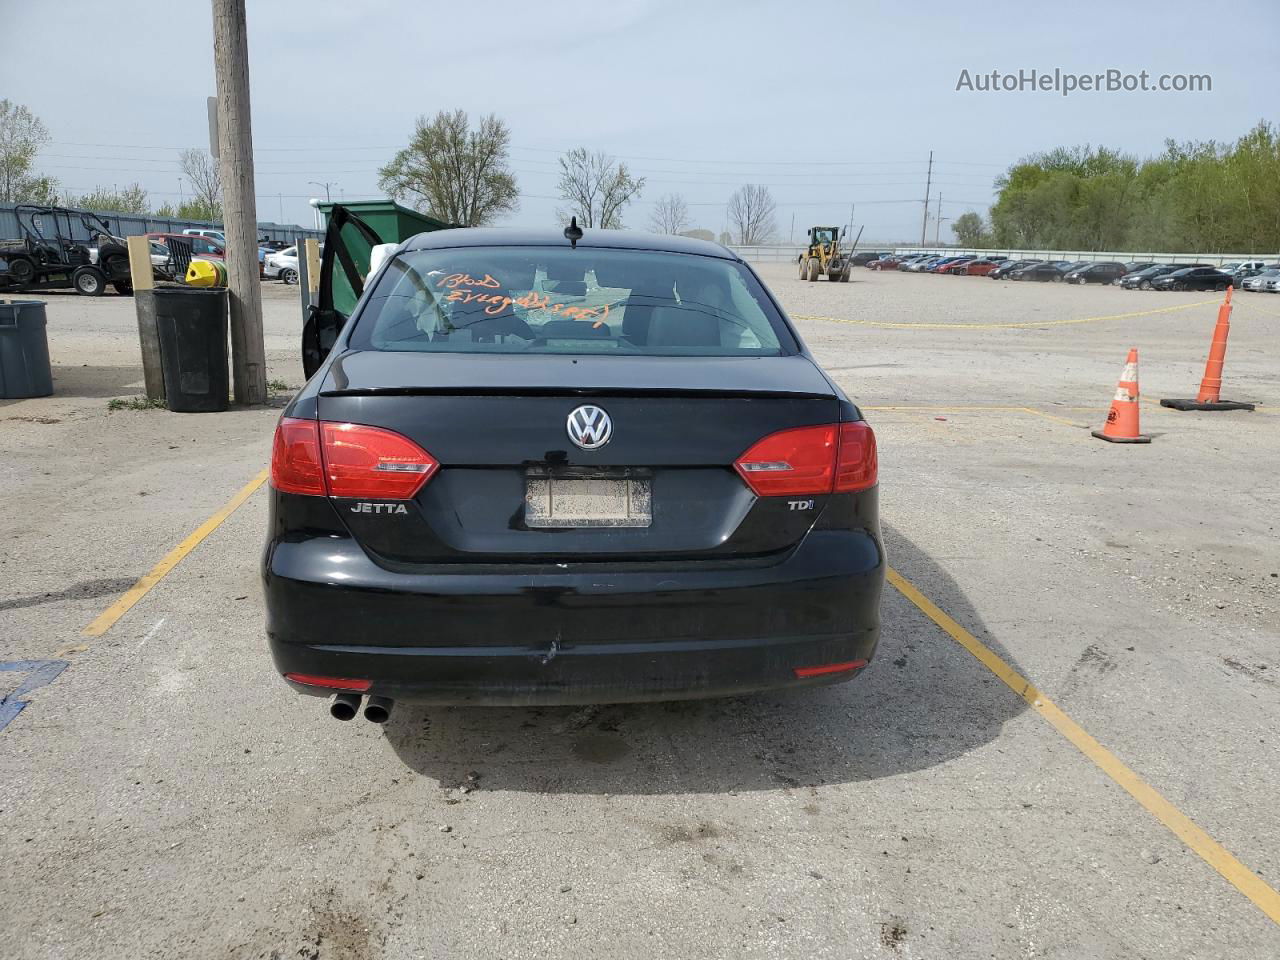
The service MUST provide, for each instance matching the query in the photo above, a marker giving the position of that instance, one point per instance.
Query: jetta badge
(590, 427)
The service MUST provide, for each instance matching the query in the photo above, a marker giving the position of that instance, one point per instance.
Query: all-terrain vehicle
(49, 255)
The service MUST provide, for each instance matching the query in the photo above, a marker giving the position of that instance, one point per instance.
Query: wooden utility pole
(239, 207)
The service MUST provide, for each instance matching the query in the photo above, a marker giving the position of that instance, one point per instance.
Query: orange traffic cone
(1210, 395)
(1122, 421)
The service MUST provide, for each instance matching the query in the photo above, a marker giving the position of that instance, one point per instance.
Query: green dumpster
(390, 221)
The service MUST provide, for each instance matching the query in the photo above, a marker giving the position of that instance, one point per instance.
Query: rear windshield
(562, 300)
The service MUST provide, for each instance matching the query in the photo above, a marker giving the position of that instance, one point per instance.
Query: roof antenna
(573, 232)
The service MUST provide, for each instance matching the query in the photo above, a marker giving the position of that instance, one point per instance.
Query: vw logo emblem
(590, 427)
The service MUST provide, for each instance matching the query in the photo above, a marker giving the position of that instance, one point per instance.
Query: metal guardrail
(1121, 256)
(790, 252)
(778, 253)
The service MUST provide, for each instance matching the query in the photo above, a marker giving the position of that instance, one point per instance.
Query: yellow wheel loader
(823, 257)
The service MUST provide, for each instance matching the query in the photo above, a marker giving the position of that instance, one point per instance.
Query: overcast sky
(828, 109)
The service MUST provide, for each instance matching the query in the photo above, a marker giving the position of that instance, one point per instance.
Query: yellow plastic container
(207, 273)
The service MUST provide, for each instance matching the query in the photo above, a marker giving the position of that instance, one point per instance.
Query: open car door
(344, 264)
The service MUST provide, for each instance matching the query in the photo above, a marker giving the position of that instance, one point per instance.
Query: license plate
(586, 501)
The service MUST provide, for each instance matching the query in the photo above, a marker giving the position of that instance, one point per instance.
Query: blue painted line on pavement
(41, 672)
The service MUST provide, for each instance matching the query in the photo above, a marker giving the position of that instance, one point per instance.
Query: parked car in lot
(941, 264)
(1244, 274)
(890, 262)
(866, 257)
(1259, 281)
(1104, 272)
(217, 236)
(1039, 272)
(921, 265)
(282, 265)
(569, 487)
(1235, 266)
(976, 268)
(1193, 278)
(201, 246)
(1141, 279)
(1002, 272)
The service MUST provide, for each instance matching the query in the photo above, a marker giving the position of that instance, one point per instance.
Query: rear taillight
(319, 458)
(372, 463)
(857, 467)
(295, 458)
(811, 460)
(791, 462)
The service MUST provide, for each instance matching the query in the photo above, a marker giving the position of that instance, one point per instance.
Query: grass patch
(134, 403)
(279, 386)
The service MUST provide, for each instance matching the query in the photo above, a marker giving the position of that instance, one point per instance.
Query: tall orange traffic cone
(1122, 421)
(1210, 395)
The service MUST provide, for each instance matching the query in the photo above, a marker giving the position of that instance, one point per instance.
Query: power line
(516, 147)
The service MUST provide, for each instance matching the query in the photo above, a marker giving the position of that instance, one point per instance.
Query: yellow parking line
(1209, 850)
(1050, 416)
(107, 619)
(1006, 326)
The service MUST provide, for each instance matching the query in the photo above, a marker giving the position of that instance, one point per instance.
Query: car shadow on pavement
(923, 702)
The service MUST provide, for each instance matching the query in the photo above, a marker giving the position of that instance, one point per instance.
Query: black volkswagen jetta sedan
(529, 471)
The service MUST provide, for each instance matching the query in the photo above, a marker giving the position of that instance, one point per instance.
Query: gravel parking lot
(168, 796)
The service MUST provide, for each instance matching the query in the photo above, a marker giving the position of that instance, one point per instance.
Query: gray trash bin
(24, 350)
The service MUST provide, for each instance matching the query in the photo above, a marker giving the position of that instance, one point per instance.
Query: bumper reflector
(331, 683)
(830, 668)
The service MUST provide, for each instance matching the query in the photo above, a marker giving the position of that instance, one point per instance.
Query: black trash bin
(24, 350)
(192, 327)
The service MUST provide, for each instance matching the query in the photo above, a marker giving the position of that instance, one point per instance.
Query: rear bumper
(559, 635)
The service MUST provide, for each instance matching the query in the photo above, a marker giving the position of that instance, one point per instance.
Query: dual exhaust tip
(346, 705)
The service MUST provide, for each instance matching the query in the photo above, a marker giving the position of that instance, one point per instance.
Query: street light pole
(317, 183)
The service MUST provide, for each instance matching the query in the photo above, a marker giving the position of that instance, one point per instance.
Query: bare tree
(455, 173)
(670, 215)
(751, 212)
(22, 134)
(201, 171)
(596, 187)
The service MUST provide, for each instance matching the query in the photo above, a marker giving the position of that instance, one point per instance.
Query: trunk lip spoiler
(560, 391)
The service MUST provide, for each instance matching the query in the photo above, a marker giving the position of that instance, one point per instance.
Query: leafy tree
(22, 134)
(670, 214)
(132, 199)
(751, 214)
(596, 187)
(201, 171)
(1203, 197)
(199, 210)
(970, 230)
(454, 173)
